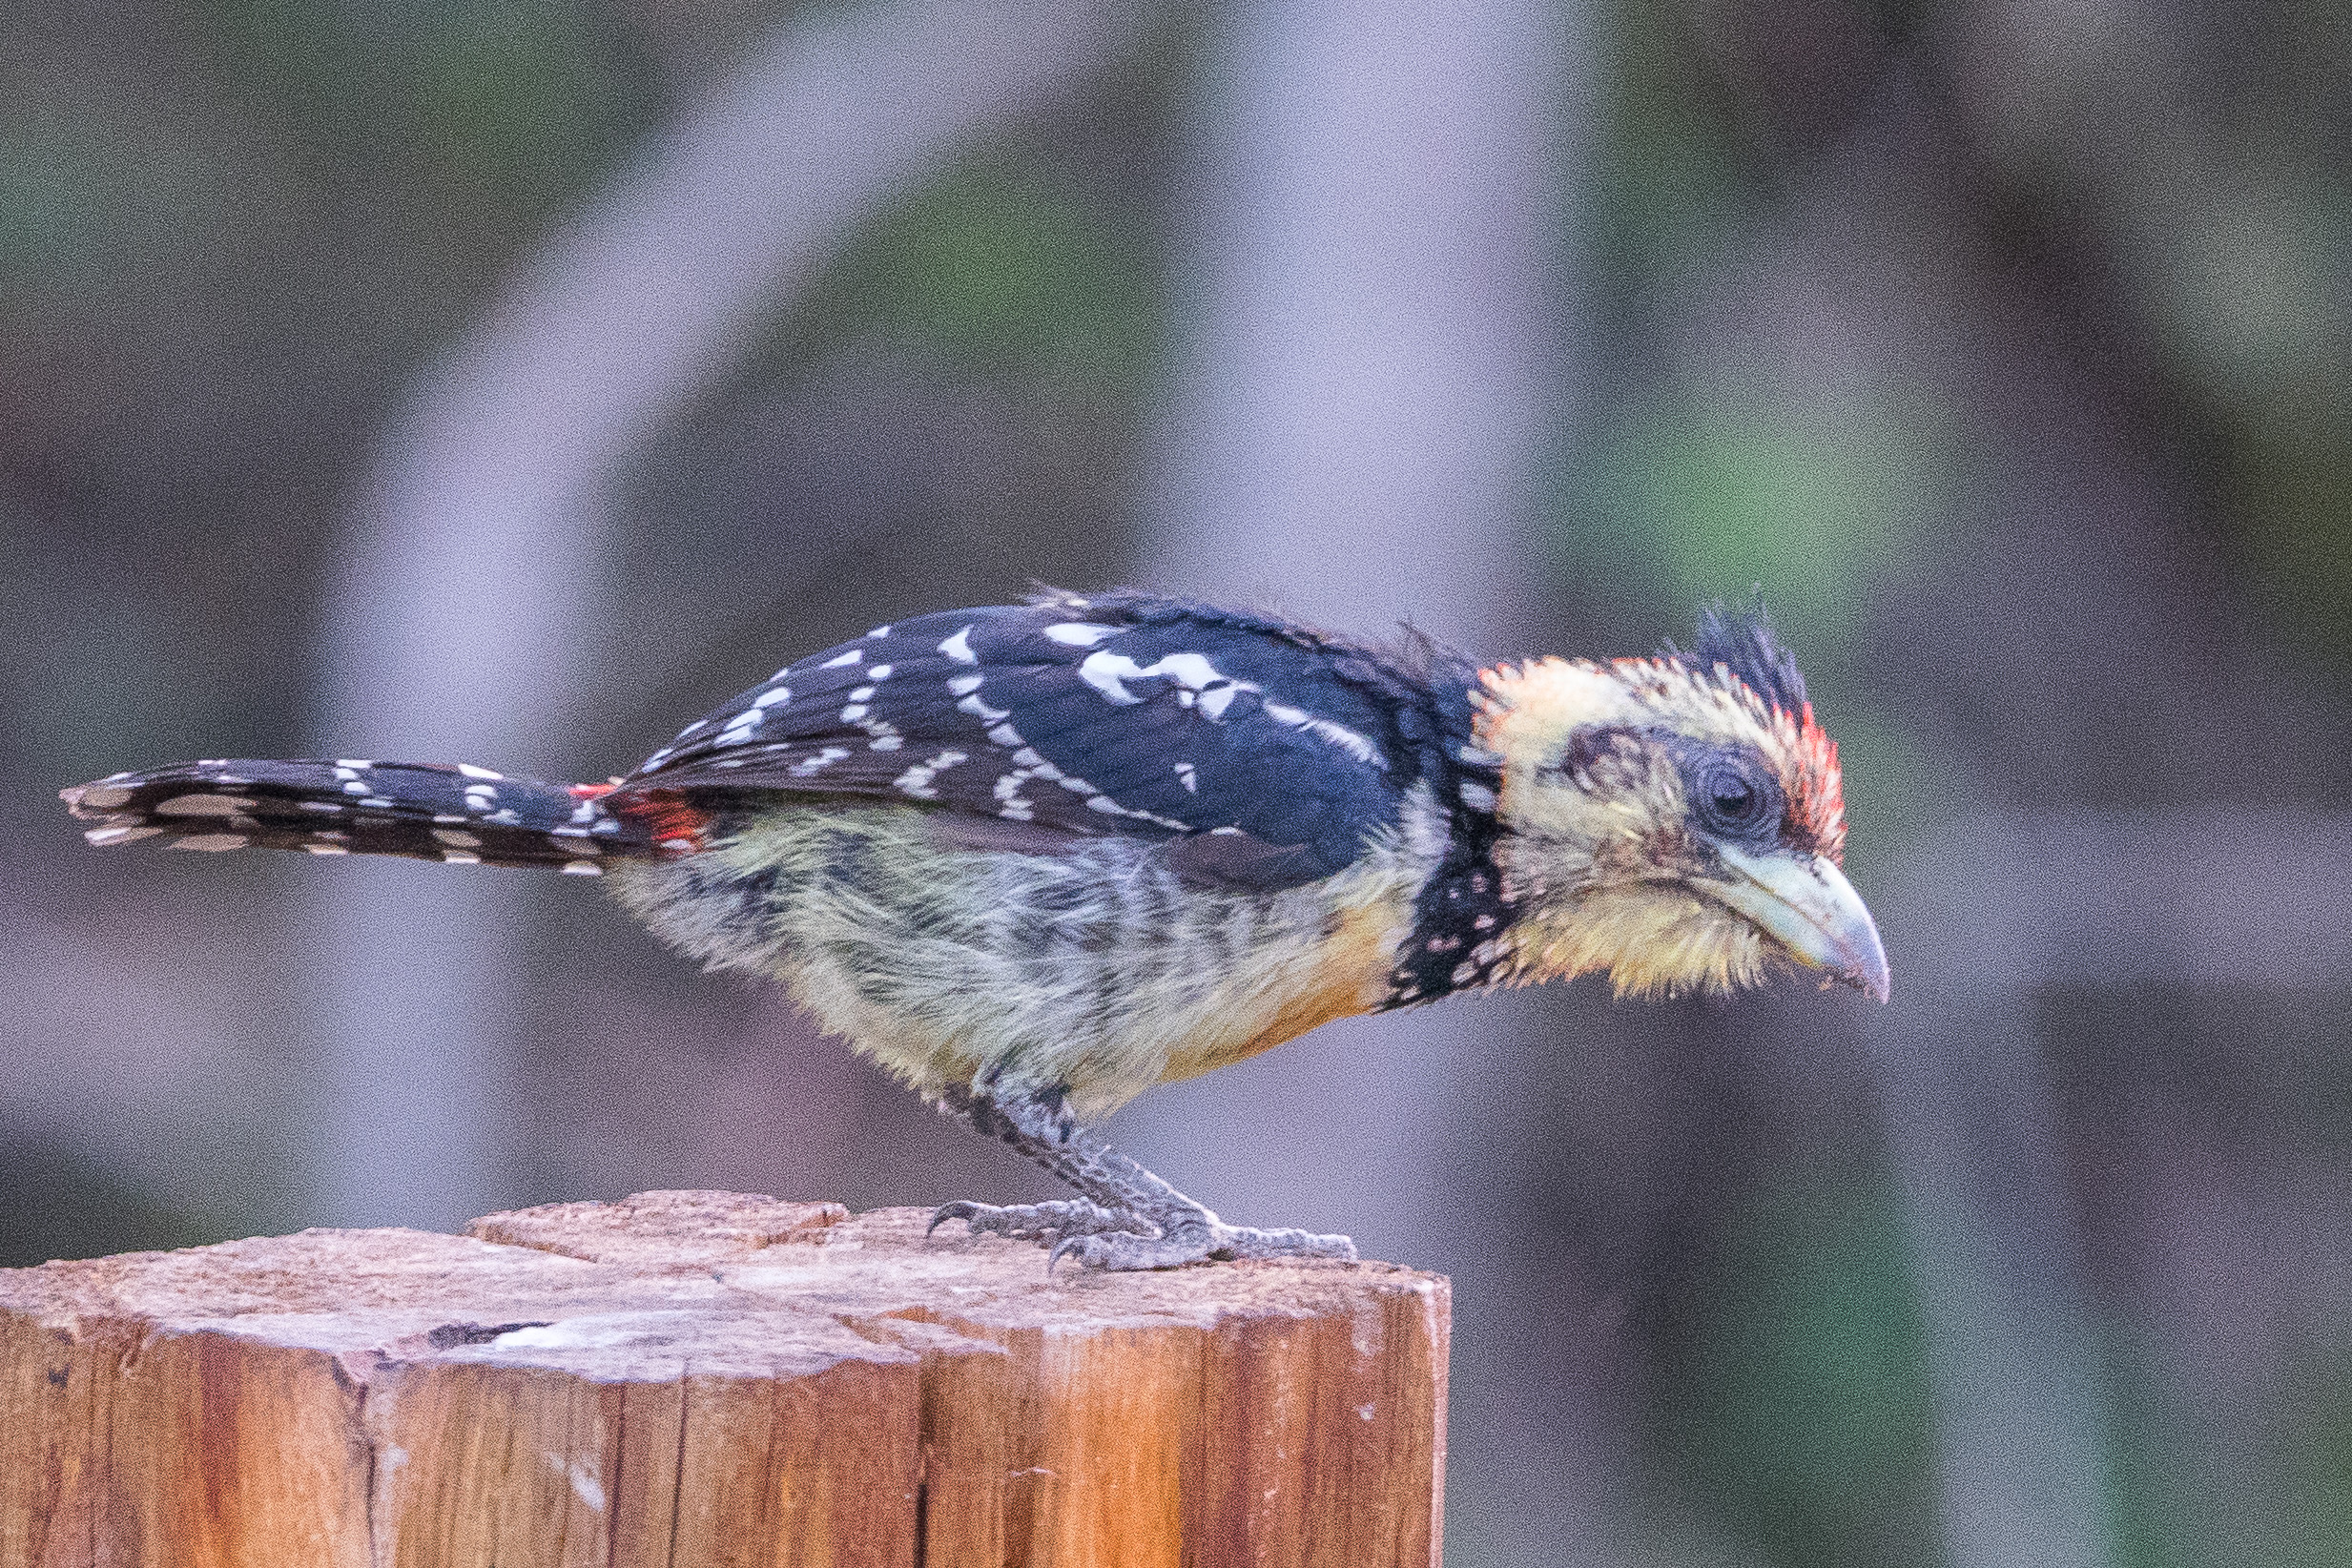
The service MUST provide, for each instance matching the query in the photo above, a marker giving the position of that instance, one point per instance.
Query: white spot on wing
(1338, 735)
(1193, 674)
(979, 709)
(958, 686)
(856, 656)
(119, 836)
(213, 842)
(1080, 634)
(472, 772)
(917, 780)
(103, 800)
(809, 767)
(583, 868)
(959, 647)
(1109, 672)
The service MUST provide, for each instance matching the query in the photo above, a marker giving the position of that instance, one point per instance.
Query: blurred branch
(475, 581)
(1379, 285)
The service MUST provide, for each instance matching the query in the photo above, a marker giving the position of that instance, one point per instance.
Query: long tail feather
(427, 810)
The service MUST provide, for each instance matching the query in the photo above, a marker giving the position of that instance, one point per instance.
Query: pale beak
(1805, 904)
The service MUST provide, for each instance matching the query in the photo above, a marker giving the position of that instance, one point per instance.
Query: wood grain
(692, 1379)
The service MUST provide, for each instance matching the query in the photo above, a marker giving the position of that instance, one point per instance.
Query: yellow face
(1670, 827)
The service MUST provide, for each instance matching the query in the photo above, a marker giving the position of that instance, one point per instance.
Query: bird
(1035, 859)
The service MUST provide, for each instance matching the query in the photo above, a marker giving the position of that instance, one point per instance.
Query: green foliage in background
(1710, 497)
(500, 111)
(1003, 265)
(1802, 1409)
(998, 265)
(56, 1205)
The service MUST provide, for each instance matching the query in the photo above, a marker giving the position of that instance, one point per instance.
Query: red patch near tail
(667, 817)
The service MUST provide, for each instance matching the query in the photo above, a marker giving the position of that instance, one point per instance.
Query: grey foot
(1058, 1217)
(1194, 1241)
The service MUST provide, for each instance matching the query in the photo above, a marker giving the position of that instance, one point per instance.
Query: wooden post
(693, 1378)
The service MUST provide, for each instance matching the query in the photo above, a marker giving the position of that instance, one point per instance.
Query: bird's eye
(1734, 798)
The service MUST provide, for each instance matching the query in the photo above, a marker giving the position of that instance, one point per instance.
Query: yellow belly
(1095, 970)
(1345, 975)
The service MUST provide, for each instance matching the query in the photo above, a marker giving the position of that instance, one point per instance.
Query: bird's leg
(1126, 1218)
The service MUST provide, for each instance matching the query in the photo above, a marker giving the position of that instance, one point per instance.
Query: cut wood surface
(691, 1378)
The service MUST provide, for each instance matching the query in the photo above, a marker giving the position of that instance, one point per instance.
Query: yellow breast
(1295, 988)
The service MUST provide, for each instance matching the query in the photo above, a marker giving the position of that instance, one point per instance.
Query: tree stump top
(689, 1377)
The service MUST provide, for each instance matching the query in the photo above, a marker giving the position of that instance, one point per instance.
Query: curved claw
(960, 1210)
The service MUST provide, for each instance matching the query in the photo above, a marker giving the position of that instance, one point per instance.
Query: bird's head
(1677, 821)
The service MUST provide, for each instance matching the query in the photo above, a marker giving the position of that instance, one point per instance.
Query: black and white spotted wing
(1129, 714)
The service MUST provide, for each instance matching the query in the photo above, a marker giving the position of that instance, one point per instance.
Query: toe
(1034, 1222)
(1124, 1252)
(1249, 1242)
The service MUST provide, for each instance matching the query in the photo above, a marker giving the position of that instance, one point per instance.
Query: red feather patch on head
(1816, 789)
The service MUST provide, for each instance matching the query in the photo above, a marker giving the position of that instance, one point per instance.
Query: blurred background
(513, 381)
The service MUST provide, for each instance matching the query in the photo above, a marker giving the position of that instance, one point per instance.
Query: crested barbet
(1037, 858)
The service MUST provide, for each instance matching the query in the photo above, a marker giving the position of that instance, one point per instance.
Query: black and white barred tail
(427, 810)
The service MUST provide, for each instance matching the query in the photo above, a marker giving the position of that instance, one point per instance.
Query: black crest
(1742, 642)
